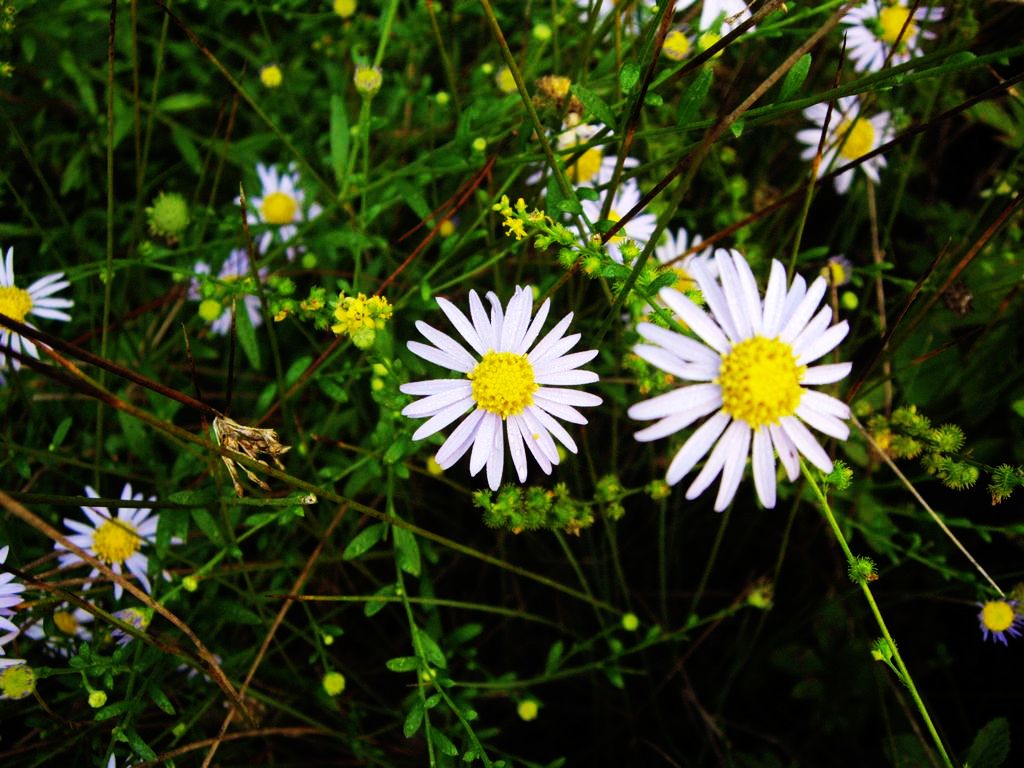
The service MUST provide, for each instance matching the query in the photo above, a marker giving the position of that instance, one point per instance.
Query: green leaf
(74, 172)
(406, 550)
(444, 744)
(332, 389)
(111, 710)
(160, 699)
(364, 541)
(246, 334)
(594, 104)
(375, 606)
(736, 128)
(205, 522)
(795, 77)
(138, 745)
(202, 496)
(188, 150)
(991, 746)
(135, 435)
(691, 102)
(413, 720)
(60, 433)
(569, 205)
(339, 137)
(70, 66)
(182, 102)
(629, 76)
(402, 664)
(296, 369)
(554, 657)
(431, 650)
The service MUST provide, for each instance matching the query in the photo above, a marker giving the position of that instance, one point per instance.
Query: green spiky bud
(862, 570)
(168, 216)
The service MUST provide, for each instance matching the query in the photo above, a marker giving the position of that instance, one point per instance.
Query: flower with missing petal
(281, 206)
(215, 306)
(850, 136)
(875, 28)
(999, 618)
(117, 541)
(18, 303)
(751, 364)
(515, 387)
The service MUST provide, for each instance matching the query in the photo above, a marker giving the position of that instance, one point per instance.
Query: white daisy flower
(639, 228)
(281, 205)
(675, 246)
(592, 168)
(731, 13)
(69, 622)
(750, 362)
(19, 303)
(510, 380)
(874, 29)
(217, 311)
(10, 590)
(117, 541)
(849, 137)
(137, 617)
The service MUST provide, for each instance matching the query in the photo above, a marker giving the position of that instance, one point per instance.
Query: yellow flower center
(585, 169)
(115, 541)
(503, 383)
(891, 20)
(279, 208)
(65, 622)
(676, 45)
(15, 302)
(857, 140)
(997, 615)
(271, 76)
(684, 281)
(760, 381)
(614, 216)
(505, 81)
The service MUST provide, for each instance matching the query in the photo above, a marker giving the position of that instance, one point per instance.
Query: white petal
(774, 298)
(459, 440)
(674, 422)
(517, 320)
(696, 446)
(539, 435)
(568, 397)
(696, 318)
(672, 403)
(527, 436)
(826, 374)
(795, 322)
(553, 351)
(437, 357)
(496, 459)
(559, 410)
(723, 450)
(497, 318)
(534, 330)
(432, 404)
(763, 465)
(553, 427)
(481, 323)
(448, 345)
(516, 448)
(733, 299)
(682, 346)
(567, 378)
(786, 450)
(433, 386)
(825, 343)
(554, 335)
(749, 295)
(483, 443)
(564, 363)
(715, 297)
(812, 330)
(462, 324)
(805, 443)
(442, 419)
(735, 463)
(823, 422)
(825, 404)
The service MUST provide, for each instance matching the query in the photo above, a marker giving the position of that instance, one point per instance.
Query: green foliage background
(751, 648)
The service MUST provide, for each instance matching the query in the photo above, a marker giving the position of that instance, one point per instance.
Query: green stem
(904, 672)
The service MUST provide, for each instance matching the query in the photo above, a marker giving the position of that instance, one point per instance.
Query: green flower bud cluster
(168, 217)
(910, 435)
(517, 509)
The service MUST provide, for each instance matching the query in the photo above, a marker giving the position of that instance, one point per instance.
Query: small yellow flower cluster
(361, 317)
